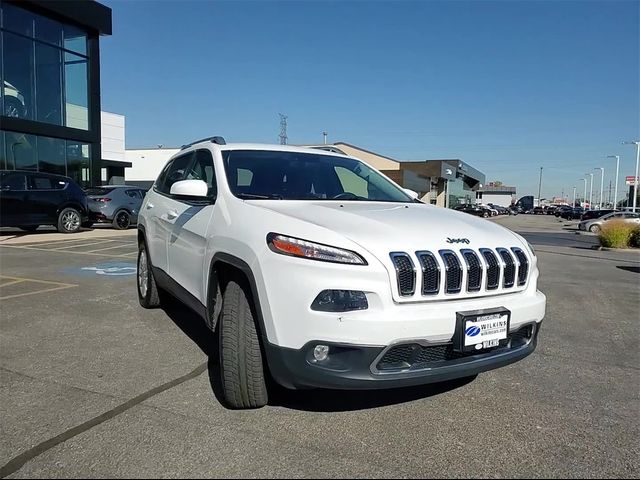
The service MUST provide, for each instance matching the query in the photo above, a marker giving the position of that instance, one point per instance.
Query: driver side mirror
(412, 193)
(190, 188)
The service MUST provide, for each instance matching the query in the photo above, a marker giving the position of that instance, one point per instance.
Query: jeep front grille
(406, 273)
(447, 273)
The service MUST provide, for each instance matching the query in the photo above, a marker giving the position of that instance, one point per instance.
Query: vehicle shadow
(192, 325)
(629, 269)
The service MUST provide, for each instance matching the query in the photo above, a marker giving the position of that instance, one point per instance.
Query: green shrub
(634, 241)
(616, 234)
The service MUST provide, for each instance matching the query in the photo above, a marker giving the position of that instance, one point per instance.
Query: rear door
(13, 193)
(45, 195)
(188, 239)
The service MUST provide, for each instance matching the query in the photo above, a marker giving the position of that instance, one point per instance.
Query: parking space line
(108, 248)
(23, 279)
(12, 282)
(101, 242)
(19, 247)
(37, 292)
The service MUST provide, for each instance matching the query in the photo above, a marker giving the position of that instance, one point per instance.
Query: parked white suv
(316, 269)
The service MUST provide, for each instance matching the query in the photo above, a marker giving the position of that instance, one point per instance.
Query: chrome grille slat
(474, 270)
(523, 266)
(509, 277)
(405, 273)
(430, 273)
(453, 271)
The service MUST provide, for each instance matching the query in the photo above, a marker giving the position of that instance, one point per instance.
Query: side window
(39, 182)
(202, 169)
(141, 194)
(13, 182)
(173, 172)
(352, 183)
(132, 193)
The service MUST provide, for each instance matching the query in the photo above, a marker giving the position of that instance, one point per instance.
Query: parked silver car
(595, 224)
(115, 204)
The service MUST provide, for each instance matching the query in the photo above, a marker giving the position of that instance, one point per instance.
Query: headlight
(297, 247)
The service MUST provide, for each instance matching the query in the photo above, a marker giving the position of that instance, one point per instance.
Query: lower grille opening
(412, 356)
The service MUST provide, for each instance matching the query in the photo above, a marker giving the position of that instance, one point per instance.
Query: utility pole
(540, 187)
(615, 195)
(635, 179)
(584, 199)
(325, 137)
(609, 201)
(283, 129)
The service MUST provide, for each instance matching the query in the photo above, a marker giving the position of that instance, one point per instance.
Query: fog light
(340, 301)
(321, 353)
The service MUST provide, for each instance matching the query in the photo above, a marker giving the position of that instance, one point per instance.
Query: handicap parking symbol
(109, 269)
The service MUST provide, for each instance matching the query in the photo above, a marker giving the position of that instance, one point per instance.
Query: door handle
(149, 206)
(172, 214)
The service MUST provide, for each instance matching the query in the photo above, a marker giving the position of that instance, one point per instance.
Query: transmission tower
(283, 129)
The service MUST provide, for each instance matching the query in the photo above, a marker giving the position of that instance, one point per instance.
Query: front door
(189, 226)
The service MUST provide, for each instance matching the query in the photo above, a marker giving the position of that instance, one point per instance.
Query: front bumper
(356, 367)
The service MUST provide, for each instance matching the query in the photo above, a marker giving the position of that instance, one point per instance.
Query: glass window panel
(78, 163)
(76, 92)
(3, 156)
(17, 20)
(51, 155)
(48, 84)
(75, 39)
(21, 151)
(17, 57)
(48, 30)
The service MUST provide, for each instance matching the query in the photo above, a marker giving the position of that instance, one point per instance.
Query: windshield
(260, 174)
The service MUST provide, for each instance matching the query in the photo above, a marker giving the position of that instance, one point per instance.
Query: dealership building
(50, 98)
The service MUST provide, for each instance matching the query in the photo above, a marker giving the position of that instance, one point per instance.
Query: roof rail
(216, 140)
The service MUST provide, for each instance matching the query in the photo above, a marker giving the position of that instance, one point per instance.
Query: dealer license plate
(482, 329)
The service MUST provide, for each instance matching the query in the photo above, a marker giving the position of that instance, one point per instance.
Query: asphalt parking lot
(92, 385)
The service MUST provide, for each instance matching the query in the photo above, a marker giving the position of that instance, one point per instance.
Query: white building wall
(503, 200)
(113, 136)
(146, 164)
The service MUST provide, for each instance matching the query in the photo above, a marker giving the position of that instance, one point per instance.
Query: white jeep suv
(318, 271)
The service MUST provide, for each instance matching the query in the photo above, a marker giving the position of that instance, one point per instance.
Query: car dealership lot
(93, 385)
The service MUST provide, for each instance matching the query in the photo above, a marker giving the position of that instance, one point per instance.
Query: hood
(385, 227)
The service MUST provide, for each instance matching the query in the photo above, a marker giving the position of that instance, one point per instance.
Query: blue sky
(505, 86)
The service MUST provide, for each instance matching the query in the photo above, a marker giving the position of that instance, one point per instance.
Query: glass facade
(22, 151)
(459, 193)
(44, 69)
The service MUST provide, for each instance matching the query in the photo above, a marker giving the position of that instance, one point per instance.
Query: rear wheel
(241, 368)
(122, 220)
(594, 228)
(485, 214)
(69, 221)
(29, 228)
(147, 288)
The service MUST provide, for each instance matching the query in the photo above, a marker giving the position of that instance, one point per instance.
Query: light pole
(540, 187)
(584, 199)
(590, 191)
(325, 137)
(601, 185)
(615, 195)
(635, 180)
(574, 198)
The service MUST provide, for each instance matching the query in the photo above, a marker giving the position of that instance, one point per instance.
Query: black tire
(69, 221)
(594, 228)
(241, 368)
(29, 228)
(148, 294)
(121, 220)
(485, 214)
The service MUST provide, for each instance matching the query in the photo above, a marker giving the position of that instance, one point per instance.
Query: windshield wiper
(253, 196)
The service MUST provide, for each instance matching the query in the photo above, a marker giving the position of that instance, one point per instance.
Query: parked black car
(593, 214)
(477, 210)
(562, 208)
(572, 213)
(30, 199)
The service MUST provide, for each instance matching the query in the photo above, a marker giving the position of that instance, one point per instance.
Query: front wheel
(69, 221)
(122, 220)
(485, 214)
(241, 368)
